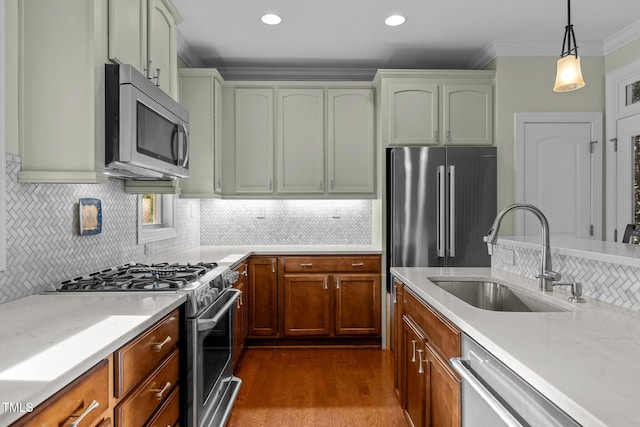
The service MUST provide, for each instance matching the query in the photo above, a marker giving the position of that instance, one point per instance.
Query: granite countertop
(48, 340)
(584, 360)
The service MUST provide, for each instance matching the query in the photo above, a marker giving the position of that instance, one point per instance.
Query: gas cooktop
(139, 277)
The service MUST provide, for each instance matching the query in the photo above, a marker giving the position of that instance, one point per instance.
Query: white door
(627, 182)
(557, 170)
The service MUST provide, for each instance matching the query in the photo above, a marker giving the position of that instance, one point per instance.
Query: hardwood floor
(316, 387)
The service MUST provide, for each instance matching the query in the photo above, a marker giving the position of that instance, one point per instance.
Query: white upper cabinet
(253, 140)
(61, 115)
(351, 146)
(200, 93)
(467, 114)
(432, 107)
(300, 141)
(145, 30)
(412, 114)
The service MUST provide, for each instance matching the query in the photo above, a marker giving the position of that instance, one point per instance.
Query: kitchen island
(49, 340)
(583, 359)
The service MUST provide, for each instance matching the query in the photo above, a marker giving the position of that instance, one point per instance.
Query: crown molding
(622, 38)
(295, 73)
(507, 48)
(188, 55)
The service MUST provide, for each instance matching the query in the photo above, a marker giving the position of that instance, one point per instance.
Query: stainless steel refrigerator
(440, 202)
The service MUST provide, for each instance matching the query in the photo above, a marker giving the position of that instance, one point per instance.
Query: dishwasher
(493, 395)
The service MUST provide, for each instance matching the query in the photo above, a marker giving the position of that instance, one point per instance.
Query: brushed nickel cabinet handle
(93, 405)
(420, 368)
(273, 266)
(326, 284)
(158, 346)
(337, 283)
(413, 345)
(306, 264)
(159, 392)
(357, 264)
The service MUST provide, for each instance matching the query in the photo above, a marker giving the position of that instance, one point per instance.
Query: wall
(43, 243)
(622, 56)
(524, 84)
(286, 222)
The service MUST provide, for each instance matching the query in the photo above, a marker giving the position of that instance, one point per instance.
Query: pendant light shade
(569, 73)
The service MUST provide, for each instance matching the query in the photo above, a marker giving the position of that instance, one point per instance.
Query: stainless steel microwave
(146, 131)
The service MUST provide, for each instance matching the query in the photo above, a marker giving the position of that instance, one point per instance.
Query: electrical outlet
(336, 213)
(507, 256)
(260, 213)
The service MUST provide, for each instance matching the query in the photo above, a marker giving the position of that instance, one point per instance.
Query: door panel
(306, 304)
(557, 177)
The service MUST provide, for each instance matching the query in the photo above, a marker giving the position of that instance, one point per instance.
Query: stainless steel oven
(212, 386)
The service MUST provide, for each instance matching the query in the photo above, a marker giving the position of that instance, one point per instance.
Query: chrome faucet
(547, 276)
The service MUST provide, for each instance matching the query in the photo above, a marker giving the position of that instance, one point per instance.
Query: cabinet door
(161, 45)
(128, 32)
(306, 304)
(396, 333)
(443, 392)
(414, 393)
(412, 114)
(468, 114)
(239, 322)
(198, 95)
(217, 136)
(358, 307)
(254, 140)
(263, 298)
(300, 141)
(351, 141)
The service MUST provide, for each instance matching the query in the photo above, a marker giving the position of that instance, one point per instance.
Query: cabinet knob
(435, 135)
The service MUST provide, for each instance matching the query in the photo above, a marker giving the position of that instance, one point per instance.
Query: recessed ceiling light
(271, 19)
(395, 20)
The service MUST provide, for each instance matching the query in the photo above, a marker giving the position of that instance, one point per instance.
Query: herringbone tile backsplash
(612, 283)
(45, 247)
(286, 222)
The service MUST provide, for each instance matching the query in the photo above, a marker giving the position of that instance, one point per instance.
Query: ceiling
(351, 34)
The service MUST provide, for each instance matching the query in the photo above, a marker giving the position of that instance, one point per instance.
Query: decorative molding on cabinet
(187, 54)
(296, 74)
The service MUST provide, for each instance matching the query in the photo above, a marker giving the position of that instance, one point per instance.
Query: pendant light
(569, 74)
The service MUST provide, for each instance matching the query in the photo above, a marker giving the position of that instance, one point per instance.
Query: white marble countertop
(48, 340)
(584, 360)
(596, 250)
(231, 255)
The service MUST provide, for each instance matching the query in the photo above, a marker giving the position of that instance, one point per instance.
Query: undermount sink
(494, 296)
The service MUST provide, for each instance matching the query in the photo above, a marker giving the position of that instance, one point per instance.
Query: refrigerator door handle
(440, 221)
(452, 211)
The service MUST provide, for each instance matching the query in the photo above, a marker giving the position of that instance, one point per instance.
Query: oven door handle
(486, 395)
(205, 324)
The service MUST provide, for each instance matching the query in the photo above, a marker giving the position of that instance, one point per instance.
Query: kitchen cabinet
(88, 395)
(145, 30)
(351, 141)
(241, 319)
(426, 342)
(254, 140)
(324, 140)
(263, 296)
(431, 107)
(147, 372)
(396, 333)
(330, 296)
(200, 93)
(61, 115)
(414, 402)
(300, 141)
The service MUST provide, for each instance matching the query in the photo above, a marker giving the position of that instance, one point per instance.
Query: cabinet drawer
(441, 335)
(332, 264)
(65, 406)
(139, 357)
(139, 406)
(168, 414)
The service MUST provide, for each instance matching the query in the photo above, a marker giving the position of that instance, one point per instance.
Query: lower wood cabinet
(240, 326)
(86, 397)
(263, 296)
(312, 297)
(428, 389)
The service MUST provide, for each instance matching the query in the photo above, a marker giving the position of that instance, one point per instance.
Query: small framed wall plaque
(90, 216)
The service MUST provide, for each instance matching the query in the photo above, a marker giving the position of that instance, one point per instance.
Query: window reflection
(633, 93)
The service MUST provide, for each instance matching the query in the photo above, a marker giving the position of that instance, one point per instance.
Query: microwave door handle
(185, 146)
(175, 143)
